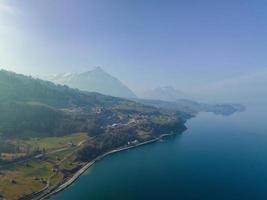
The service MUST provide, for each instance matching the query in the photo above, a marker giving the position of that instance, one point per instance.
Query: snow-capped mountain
(96, 80)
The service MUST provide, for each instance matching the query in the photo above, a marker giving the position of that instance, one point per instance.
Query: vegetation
(48, 131)
(20, 180)
(27, 119)
(24, 178)
(32, 107)
(16, 148)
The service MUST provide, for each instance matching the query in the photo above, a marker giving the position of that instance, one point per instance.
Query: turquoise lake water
(216, 158)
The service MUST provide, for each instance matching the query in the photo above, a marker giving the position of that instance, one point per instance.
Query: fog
(247, 89)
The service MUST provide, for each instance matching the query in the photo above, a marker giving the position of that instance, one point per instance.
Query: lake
(217, 157)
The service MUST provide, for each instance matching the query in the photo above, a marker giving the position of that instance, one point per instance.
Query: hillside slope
(33, 107)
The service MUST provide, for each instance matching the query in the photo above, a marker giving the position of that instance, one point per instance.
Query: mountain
(96, 80)
(166, 93)
(35, 108)
(49, 130)
(33, 112)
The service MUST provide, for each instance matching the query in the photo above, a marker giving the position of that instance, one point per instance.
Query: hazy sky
(145, 43)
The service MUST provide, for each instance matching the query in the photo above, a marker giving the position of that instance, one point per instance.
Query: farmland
(24, 177)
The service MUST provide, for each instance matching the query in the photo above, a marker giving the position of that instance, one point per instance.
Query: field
(16, 148)
(22, 178)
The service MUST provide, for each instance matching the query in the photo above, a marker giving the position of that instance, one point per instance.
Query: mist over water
(249, 89)
(216, 158)
(211, 52)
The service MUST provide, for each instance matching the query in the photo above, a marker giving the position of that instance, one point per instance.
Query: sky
(144, 43)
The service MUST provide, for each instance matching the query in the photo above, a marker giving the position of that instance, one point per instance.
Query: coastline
(70, 181)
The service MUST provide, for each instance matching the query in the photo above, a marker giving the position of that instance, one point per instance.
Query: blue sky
(145, 43)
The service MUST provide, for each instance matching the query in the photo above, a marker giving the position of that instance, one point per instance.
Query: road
(39, 156)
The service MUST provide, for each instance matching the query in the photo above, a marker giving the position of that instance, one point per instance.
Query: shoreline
(70, 181)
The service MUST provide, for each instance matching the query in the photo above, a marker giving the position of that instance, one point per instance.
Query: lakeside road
(47, 194)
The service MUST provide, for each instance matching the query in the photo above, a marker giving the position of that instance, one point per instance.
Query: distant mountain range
(96, 80)
(167, 93)
(242, 89)
(246, 89)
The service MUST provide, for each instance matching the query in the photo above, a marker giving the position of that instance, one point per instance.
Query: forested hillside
(33, 107)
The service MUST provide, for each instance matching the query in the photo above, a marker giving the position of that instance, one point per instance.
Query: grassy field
(24, 147)
(52, 143)
(22, 179)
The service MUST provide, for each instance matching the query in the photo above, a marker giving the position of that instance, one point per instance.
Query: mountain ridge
(28, 104)
(96, 80)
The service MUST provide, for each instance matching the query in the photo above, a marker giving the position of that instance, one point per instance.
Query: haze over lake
(217, 157)
(85, 84)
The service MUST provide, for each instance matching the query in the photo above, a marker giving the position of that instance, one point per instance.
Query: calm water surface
(217, 158)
